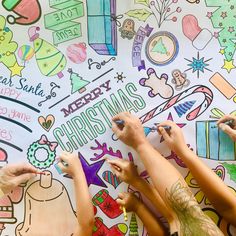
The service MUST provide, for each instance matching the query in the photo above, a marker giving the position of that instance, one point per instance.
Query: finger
(121, 195)
(227, 129)
(116, 130)
(121, 116)
(120, 202)
(23, 168)
(225, 118)
(20, 179)
(62, 167)
(115, 171)
(118, 162)
(164, 134)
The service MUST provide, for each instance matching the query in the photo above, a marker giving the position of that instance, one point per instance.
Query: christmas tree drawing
(224, 20)
(182, 108)
(133, 226)
(160, 47)
(77, 82)
(49, 59)
(8, 48)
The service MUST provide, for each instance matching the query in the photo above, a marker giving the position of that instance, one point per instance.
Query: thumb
(164, 134)
(23, 178)
(227, 129)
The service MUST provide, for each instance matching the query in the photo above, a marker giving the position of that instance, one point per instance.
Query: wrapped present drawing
(102, 28)
(213, 143)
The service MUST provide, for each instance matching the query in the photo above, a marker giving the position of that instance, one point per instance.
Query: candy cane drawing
(191, 115)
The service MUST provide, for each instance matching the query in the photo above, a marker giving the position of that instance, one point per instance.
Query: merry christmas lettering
(95, 120)
(87, 98)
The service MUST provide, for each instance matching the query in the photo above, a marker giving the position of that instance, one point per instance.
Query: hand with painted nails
(228, 124)
(124, 170)
(13, 175)
(69, 163)
(131, 131)
(174, 137)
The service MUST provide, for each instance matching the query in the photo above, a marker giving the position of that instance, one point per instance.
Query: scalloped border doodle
(208, 97)
(49, 147)
(162, 48)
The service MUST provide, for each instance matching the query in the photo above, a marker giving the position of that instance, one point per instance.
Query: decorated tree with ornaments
(49, 59)
(223, 18)
(162, 10)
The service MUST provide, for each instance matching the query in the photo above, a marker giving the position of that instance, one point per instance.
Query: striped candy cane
(174, 100)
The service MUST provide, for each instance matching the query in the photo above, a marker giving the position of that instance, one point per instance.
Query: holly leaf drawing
(143, 2)
(231, 169)
(140, 14)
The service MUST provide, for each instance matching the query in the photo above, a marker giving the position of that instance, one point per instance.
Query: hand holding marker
(122, 122)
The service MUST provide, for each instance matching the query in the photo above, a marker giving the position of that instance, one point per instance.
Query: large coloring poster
(68, 66)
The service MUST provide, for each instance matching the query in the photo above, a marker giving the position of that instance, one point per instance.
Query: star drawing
(198, 65)
(91, 171)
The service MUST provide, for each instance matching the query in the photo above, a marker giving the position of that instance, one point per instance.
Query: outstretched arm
(127, 172)
(166, 179)
(215, 189)
(84, 207)
(132, 203)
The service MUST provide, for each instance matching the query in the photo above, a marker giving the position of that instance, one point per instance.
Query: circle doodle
(162, 48)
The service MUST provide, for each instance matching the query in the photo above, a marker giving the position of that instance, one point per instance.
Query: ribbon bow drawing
(116, 19)
(217, 113)
(52, 145)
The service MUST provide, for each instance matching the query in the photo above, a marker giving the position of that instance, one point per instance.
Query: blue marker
(58, 168)
(120, 122)
(230, 123)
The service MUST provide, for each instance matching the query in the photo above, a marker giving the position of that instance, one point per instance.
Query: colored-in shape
(102, 30)
(162, 48)
(201, 139)
(223, 85)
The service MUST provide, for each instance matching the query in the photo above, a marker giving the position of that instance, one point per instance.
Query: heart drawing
(47, 122)
(109, 177)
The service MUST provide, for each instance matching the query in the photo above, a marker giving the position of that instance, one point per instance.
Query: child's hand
(131, 133)
(228, 129)
(72, 164)
(129, 201)
(124, 170)
(174, 137)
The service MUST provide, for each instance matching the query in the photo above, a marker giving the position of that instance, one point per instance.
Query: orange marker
(40, 173)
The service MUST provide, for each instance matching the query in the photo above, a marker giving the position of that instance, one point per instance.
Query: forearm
(84, 207)
(215, 189)
(152, 194)
(162, 173)
(154, 226)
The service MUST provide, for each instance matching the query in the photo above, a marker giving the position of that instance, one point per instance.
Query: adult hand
(124, 170)
(13, 175)
(228, 129)
(131, 132)
(174, 137)
(69, 163)
(129, 201)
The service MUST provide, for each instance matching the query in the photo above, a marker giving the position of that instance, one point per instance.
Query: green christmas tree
(224, 20)
(77, 82)
(160, 47)
(8, 48)
(133, 226)
(49, 59)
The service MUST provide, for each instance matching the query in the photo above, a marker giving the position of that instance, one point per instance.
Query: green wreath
(46, 145)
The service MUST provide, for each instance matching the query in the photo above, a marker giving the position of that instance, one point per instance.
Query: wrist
(142, 145)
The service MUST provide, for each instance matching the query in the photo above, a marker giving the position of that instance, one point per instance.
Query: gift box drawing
(102, 28)
(213, 143)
